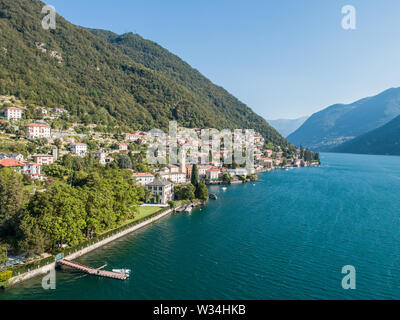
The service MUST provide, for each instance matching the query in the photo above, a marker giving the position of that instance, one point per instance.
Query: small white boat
(189, 209)
(224, 188)
(122, 271)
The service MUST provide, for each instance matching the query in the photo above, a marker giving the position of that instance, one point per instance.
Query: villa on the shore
(162, 190)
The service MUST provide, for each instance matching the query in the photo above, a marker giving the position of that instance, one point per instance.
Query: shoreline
(46, 268)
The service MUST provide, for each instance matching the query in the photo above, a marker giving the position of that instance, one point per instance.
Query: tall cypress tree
(195, 176)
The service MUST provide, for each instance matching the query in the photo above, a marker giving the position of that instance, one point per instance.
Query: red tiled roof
(11, 163)
(142, 174)
(12, 108)
(213, 170)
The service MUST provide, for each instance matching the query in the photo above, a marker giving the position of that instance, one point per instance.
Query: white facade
(175, 177)
(143, 178)
(163, 189)
(213, 174)
(79, 148)
(237, 172)
(100, 156)
(32, 170)
(12, 113)
(34, 131)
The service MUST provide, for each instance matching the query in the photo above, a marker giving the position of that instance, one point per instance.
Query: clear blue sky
(283, 58)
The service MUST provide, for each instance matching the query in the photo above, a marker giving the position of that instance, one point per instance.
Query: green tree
(11, 198)
(124, 162)
(185, 192)
(172, 204)
(202, 191)
(60, 213)
(32, 239)
(56, 171)
(58, 143)
(226, 177)
(195, 175)
(3, 256)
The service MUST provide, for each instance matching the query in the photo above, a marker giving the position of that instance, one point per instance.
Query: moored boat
(122, 271)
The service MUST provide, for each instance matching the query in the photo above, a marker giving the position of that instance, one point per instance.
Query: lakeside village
(63, 182)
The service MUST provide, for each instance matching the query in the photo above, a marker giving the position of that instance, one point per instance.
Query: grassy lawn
(142, 213)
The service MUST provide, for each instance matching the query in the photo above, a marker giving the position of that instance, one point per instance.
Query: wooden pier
(97, 272)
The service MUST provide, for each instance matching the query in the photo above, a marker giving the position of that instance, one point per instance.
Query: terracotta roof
(142, 174)
(12, 108)
(37, 125)
(213, 170)
(11, 163)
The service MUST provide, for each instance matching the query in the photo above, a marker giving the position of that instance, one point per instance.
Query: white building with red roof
(213, 174)
(11, 163)
(139, 137)
(13, 113)
(31, 169)
(37, 130)
(143, 178)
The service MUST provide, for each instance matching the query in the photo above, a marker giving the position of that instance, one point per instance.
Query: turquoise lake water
(286, 237)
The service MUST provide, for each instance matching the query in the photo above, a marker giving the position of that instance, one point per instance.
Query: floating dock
(97, 272)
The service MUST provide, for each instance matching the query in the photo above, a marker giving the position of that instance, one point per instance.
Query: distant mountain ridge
(287, 126)
(327, 129)
(382, 141)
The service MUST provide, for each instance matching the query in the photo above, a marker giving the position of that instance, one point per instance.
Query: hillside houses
(79, 149)
(15, 156)
(143, 178)
(43, 159)
(102, 157)
(139, 137)
(27, 168)
(37, 131)
(13, 113)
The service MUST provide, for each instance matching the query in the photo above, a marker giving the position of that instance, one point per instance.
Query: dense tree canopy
(11, 197)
